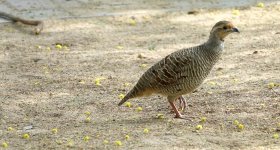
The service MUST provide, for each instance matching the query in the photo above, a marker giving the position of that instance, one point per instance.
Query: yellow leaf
(212, 83)
(59, 142)
(26, 136)
(127, 104)
(276, 136)
(146, 130)
(87, 113)
(82, 82)
(198, 127)
(203, 119)
(126, 84)
(121, 96)
(236, 122)
(118, 143)
(132, 22)
(143, 65)
(5, 145)
(126, 137)
(240, 127)
(58, 46)
(235, 12)
(98, 80)
(10, 129)
(70, 144)
(209, 92)
(87, 120)
(139, 109)
(54, 130)
(271, 85)
(86, 138)
(119, 47)
(160, 116)
(260, 4)
(105, 142)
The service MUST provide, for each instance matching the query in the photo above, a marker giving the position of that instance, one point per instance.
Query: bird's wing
(170, 69)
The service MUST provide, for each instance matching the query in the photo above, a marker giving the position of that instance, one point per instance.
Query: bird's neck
(215, 43)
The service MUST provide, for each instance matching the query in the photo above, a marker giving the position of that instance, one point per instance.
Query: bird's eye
(225, 27)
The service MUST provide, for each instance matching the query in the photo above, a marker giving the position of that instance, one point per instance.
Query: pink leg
(178, 114)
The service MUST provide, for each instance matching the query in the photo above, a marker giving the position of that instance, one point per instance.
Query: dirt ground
(45, 87)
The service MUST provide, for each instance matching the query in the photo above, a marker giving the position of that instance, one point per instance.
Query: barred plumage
(182, 71)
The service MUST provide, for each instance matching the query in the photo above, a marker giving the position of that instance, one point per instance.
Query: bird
(184, 70)
(38, 23)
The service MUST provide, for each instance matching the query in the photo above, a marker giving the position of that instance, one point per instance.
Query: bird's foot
(188, 118)
(179, 116)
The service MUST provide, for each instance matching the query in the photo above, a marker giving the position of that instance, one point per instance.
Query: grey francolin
(183, 71)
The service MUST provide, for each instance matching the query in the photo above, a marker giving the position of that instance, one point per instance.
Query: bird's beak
(235, 30)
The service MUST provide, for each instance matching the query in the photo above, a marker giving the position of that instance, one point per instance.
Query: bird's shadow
(143, 121)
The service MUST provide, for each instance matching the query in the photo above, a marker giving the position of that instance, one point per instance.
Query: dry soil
(44, 86)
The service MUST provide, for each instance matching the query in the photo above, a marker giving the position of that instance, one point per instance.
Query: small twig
(38, 23)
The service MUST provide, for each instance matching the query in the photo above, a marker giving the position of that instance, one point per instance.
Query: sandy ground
(44, 87)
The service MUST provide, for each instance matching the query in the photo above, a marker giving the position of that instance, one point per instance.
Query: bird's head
(223, 28)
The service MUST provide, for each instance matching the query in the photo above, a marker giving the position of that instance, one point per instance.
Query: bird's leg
(171, 102)
(183, 103)
(178, 114)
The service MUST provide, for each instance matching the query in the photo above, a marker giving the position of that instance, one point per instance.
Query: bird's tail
(131, 94)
